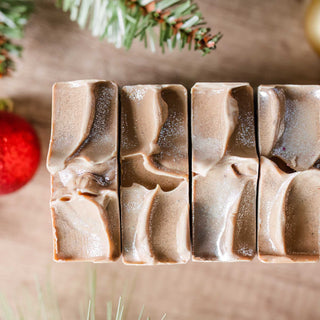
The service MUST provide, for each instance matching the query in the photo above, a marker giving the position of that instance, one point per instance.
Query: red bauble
(19, 152)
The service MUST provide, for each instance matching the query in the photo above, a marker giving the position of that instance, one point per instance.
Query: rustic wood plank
(263, 43)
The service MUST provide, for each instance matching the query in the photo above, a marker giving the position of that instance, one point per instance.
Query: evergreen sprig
(180, 22)
(14, 14)
(46, 305)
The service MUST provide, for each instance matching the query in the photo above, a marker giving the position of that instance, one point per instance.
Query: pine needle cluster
(14, 14)
(180, 23)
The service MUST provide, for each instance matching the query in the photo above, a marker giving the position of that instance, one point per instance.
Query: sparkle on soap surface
(135, 93)
(246, 132)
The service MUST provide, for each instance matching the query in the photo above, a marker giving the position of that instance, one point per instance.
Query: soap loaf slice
(225, 171)
(289, 188)
(154, 174)
(82, 161)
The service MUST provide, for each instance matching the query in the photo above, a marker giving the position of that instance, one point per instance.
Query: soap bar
(225, 171)
(82, 161)
(289, 187)
(154, 174)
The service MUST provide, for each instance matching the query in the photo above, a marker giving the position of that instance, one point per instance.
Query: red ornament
(19, 152)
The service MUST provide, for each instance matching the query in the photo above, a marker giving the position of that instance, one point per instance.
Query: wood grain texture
(263, 43)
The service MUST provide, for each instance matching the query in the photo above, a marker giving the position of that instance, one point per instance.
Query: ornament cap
(6, 105)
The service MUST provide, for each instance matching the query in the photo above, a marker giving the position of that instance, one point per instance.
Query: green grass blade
(89, 310)
(109, 310)
(141, 313)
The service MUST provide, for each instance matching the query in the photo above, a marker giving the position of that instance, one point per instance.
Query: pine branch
(14, 14)
(180, 22)
(45, 305)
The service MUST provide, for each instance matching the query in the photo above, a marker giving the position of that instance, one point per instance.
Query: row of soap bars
(247, 195)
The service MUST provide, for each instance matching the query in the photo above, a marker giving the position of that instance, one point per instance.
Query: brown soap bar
(154, 174)
(289, 187)
(82, 161)
(225, 172)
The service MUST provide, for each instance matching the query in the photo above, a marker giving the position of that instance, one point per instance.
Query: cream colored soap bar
(154, 174)
(82, 161)
(289, 188)
(225, 172)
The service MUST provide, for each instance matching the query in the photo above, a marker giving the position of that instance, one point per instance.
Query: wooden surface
(263, 43)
